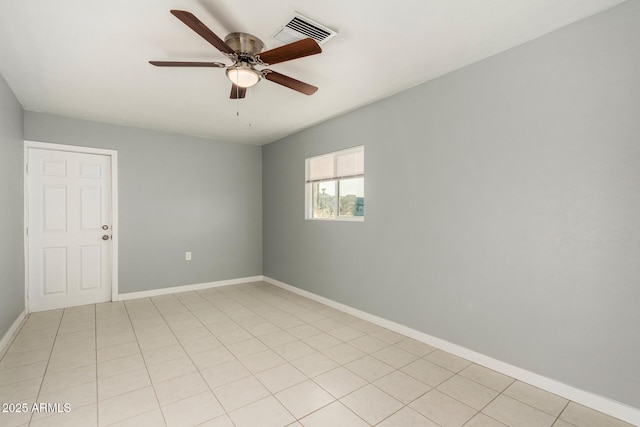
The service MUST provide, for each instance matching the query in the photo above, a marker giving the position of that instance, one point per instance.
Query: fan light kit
(243, 75)
(245, 50)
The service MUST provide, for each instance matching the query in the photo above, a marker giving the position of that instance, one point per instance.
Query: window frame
(308, 187)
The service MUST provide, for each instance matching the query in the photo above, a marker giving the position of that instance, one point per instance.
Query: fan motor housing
(244, 43)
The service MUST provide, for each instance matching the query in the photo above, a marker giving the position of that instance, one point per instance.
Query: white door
(69, 229)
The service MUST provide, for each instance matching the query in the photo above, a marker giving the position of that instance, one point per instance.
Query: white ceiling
(88, 59)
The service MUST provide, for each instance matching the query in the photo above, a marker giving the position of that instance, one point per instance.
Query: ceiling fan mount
(244, 44)
(245, 50)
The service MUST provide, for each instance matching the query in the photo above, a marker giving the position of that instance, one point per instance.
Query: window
(335, 185)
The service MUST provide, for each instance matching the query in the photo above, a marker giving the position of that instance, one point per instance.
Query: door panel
(69, 203)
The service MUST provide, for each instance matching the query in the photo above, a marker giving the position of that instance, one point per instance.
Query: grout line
(126, 310)
(95, 321)
(188, 355)
(44, 375)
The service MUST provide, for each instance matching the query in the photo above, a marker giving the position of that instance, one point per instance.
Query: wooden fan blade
(299, 49)
(289, 82)
(187, 64)
(237, 92)
(196, 25)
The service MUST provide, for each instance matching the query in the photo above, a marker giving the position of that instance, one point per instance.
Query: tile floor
(253, 355)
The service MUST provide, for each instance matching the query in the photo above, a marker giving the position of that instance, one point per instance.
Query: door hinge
(27, 231)
(27, 168)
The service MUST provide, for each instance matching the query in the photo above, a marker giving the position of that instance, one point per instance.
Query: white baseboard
(594, 401)
(8, 337)
(186, 288)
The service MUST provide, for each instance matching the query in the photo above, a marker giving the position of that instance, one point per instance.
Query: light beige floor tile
(516, 414)
(343, 353)
(172, 369)
(262, 361)
(447, 360)
(120, 366)
(262, 328)
(209, 358)
(225, 373)
(240, 393)
(311, 316)
(407, 417)
(126, 405)
(221, 421)
(371, 404)
(346, 333)
(481, 420)
(304, 398)
(287, 322)
(125, 382)
(109, 340)
(560, 423)
(117, 351)
(180, 388)
(586, 417)
(368, 344)
(469, 392)
(82, 416)
(539, 399)
(487, 377)
(247, 347)
(228, 337)
(281, 377)
(61, 380)
(192, 411)
(28, 334)
(327, 324)
(314, 364)
(156, 341)
(63, 360)
(276, 339)
(444, 410)
(267, 412)
(387, 336)
(184, 323)
(427, 372)
(17, 392)
(402, 386)
(321, 341)
(163, 354)
(369, 368)
(22, 344)
(152, 418)
(22, 373)
(395, 356)
(14, 359)
(304, 331)
(192, 345)
(340, 381)
(294, 350)
(78, 396)
(334, 414)
(415, 347)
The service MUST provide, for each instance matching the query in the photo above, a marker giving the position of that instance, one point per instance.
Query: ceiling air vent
(298, 27)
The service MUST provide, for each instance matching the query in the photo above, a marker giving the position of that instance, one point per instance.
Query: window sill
(339, 219)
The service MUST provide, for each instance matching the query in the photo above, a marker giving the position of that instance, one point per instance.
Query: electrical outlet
(187, 256)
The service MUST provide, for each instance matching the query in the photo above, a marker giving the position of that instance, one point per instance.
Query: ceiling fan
(245, 50)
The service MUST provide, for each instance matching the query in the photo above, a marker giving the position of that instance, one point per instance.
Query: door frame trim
(114, 207)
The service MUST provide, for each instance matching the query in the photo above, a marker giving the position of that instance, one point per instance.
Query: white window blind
(338, 165)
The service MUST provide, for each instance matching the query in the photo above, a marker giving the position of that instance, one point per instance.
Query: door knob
(105, 237)
(105, 227)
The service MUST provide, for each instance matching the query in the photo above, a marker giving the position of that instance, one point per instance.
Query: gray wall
(176, 194)
(502, 207)
(11, 209)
